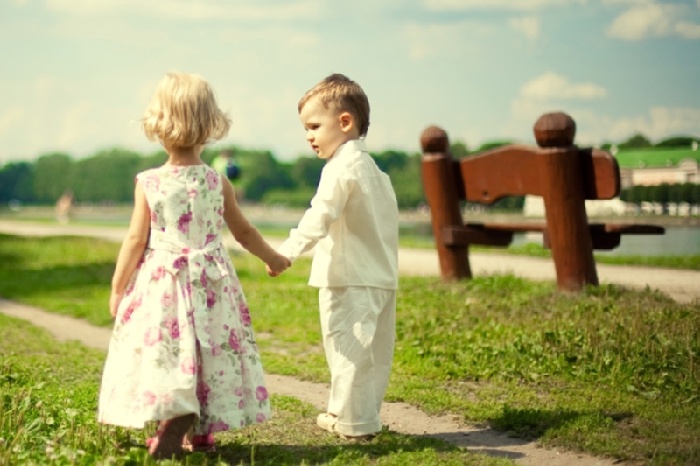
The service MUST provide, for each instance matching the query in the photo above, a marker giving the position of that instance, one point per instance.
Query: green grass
(48, 396)
(654, 157)
(610, 371)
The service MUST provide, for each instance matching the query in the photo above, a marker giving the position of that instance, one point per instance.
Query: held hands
(277, 265)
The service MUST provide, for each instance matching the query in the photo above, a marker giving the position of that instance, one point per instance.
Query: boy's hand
(277, 265)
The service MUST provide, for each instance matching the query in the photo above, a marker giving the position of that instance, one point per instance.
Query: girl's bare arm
(134, 243)
(246, 234)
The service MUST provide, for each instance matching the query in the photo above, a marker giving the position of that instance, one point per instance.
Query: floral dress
(182, 341)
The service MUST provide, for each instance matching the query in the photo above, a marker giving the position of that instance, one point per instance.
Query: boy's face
(326, 129)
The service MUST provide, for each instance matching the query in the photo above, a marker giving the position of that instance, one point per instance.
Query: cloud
(554, 86)
(658, 123)
(649, 19)
(427, 41)
(197, 11)
(529, 26)
(511, 5)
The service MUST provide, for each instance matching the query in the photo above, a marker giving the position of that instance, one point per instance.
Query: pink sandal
(201, 443)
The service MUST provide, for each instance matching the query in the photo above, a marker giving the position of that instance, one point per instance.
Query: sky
(76, 75)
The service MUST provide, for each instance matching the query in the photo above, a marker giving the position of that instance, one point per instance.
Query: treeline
(108, 176)
(663, 194)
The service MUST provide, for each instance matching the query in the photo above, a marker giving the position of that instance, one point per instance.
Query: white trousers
(358, 326)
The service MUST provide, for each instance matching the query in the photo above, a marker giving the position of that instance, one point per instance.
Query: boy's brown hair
(339, 93)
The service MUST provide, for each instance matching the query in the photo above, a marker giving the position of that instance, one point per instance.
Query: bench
(564, 175)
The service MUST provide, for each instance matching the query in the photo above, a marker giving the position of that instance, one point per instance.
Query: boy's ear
(347, 122)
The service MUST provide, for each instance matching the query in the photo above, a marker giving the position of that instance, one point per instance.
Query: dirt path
(400, 417)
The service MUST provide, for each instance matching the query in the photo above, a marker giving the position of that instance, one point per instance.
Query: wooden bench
(563, 174)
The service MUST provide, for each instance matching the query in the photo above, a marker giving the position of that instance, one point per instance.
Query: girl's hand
(114, 301)
(277, 265)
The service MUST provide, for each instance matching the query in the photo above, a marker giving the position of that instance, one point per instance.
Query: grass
(49, 393)
(611, 371)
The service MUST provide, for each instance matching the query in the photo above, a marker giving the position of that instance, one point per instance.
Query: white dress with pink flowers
(182, 341)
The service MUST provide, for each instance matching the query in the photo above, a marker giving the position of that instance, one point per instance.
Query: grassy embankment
(609, 372)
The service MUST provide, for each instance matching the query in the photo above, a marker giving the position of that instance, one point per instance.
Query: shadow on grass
(290, 454)
(18, 281)
(277, 454)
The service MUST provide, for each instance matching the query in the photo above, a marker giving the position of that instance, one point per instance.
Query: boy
(354, 219)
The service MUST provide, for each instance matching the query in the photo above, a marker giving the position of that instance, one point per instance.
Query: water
(677, 241)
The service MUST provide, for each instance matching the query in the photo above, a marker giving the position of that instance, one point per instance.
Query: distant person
(64, 207)
(225, 163)
(183, 351)
(354, 219)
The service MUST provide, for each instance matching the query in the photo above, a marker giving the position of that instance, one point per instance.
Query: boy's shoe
(328, 423)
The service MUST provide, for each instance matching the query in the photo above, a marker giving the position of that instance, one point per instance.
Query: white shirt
(354, 219)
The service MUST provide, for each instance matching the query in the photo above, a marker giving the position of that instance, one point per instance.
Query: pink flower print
(233, 341)
(183, 223)
(212, 180)
(173, 327)
(203, 393)
(158, 273)
(260, 417)
(154, 217)
(203, 278)
(152, 336)
(261, 393)
(245, 314)
(209, 239)
(166, 300)
(241, 404)
(180, 262)
(215, 350)
(187, 366)
(238, 391)
(192, 193)
(218, 426)
(211, 298)
(127, 313)
(149, 398)
(151, 184)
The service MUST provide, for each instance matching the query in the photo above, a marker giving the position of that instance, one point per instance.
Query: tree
(390, 160)
(16, 182)
(106, 176)
(52, 175)
(493, 145)
(306, 171)
(636, 142)
(459, 149)
(678, 141)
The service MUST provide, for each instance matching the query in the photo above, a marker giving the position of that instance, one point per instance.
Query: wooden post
(564, 200)
(440, 181)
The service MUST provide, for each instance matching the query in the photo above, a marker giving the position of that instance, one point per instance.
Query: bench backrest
(517, 170)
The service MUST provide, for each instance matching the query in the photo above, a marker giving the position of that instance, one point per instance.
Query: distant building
(685, 171)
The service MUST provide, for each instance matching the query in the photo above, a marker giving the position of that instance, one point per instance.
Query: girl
(182, 350)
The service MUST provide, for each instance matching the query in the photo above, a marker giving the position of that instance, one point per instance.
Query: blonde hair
(183, 112)
(339, 93)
